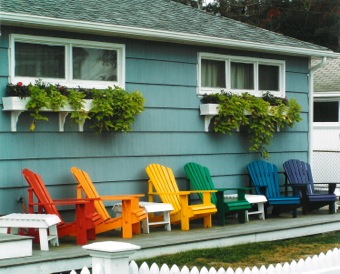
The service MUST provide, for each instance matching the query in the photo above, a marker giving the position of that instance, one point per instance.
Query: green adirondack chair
(200, 179)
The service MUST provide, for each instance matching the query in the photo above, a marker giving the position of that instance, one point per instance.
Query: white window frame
(327, 97)
(68, 44)
(240, 59)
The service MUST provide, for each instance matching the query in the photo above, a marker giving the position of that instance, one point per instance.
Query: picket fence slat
(324, 263)
(175, 270)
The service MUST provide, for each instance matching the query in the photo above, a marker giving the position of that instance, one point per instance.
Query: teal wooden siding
(170, 131)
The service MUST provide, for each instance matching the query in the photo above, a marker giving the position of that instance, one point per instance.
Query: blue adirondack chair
(200, 179)
(299, 175)
(265, 180)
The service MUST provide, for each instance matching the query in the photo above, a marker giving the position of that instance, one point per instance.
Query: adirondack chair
(162, 183)
(83, 227)
(200, 179)
(131, 216)
(265, 180)
(299, 175)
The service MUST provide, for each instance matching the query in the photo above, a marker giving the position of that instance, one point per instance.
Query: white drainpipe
(311, 106)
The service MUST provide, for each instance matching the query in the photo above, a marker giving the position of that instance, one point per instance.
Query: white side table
(253, 199)
(151, 208)
(43, 222)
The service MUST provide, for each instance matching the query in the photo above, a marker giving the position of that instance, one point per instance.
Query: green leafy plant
(261, 116)
(38, 100)
(113, 109)
(76, 101)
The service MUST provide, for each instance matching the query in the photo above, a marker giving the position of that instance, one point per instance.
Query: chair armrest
(201, 191)
(120, 197)
(331, 186)
(241, 192)
(234, 188)
(73, 201)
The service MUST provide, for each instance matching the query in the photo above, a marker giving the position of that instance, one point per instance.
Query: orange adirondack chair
(162, 183)
(83, 228)
(132, 214)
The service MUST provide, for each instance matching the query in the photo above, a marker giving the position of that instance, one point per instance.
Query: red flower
(19, 84)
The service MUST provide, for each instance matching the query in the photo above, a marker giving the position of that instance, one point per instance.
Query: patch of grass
(251, 254)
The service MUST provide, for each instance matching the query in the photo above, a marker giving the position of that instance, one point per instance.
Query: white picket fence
(328, 263)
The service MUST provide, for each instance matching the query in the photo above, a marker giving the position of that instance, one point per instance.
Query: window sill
(16, 106)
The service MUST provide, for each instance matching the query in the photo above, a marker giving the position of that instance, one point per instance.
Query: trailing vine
(113, 109)
(261, 116)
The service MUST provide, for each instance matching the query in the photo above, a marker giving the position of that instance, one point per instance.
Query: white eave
(15, 19)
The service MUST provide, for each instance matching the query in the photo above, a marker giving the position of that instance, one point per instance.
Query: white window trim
(326, 97)
(68, 43)
(240, 59)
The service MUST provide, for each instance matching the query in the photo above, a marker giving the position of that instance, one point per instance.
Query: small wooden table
(13, 222)
(253, 199)
(152, 208)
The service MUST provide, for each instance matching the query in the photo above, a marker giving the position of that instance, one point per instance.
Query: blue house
(163, 49)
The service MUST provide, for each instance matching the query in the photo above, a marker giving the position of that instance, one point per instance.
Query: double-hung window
(67, 62)
(240, 74)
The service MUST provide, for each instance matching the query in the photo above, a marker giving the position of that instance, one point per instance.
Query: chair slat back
(264, 174)
(299, 172)
(200, 179)
(163, 182)
(86, 184)
(39, 189)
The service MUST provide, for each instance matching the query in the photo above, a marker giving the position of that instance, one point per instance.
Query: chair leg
(207, 221)
(331, 208)
(242, 216)
(295, 214)
(221, 217)
(185, 223)
(136, 228)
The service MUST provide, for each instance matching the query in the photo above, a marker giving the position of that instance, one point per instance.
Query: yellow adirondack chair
(162, 183)
(132, 214)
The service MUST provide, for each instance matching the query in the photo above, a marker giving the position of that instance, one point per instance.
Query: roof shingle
(162, 15)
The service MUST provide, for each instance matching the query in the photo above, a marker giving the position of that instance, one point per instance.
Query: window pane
(268, 77)
(94, 64)
(36, 60)
(213, 73)
(242, 76)
(326, 111)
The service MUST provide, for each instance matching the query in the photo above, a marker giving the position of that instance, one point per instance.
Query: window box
(208, 111)
(17, 105)
(261, 116)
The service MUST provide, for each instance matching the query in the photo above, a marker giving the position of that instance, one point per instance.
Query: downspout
(311, 107)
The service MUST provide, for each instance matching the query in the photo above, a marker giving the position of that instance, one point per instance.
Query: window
(326, 111)
(66, 61)
(240, 74)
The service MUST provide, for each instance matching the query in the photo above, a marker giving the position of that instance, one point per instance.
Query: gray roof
(327, 78)
(152, 16)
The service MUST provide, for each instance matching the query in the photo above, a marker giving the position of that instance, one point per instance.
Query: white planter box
(209, 109)
(17, 105)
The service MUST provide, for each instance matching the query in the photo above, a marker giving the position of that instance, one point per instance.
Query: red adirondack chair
(83, 227)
